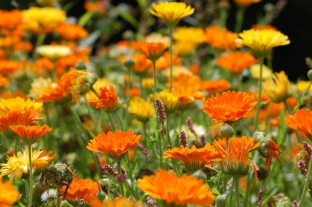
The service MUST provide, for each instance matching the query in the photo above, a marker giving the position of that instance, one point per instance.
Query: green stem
(90, 112)
(121, 184)
(144, 134)
(224, 183)
(239, 18)
(236, 186)
(58, 204)
(48, 141)
(128, 98)
(269, 59)
(168, 129)
(120, 121)
(259, 95)
(40, 40)
(223, 17)
(181, 123)
(246, 200)
(111, 120)
(131, 176)
(17, 146)
(171, 40)
(307, 183)
(30, 177)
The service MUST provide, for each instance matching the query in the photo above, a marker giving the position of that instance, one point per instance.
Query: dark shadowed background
(295, 20)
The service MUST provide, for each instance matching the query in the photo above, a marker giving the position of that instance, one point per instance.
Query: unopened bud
(227, 131)
(129, 62)
(80, 65)
(259, 136)
(200, 175)
(221, 200)
(310, 74)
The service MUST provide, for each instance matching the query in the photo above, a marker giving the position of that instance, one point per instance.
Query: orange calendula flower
(8, 67)
(80, 189)
(71, 31)
(220, 38)
(164, 61)
(117, 202)
(114, 145)
(10, 19)
(193, 158)
(141, 66)
(237, 61)
(171, 12)
(263, 27)
(30, 134)
(246, 2)
(235, 160)
(215, 86)
(8, 194)
(18, 104)
(108, 100)
(167, 186)
(186, 96)
(45, 63)
(231, 106)
(301, 121)
(3, 81)
(153, 50)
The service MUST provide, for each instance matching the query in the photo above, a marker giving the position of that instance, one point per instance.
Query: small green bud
(259, 136)
(310, 74)
(200, 175)
(129, 62)
(80, 65)
(227, 131)
(221, 200)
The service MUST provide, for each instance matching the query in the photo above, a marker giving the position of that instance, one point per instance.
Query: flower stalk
(261, 59)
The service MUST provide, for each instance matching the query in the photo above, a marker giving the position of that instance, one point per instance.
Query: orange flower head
(3, 81)
(164, 61)
(10, 19)
(186, 80)
(246, 2)
(71, 31)
(220, 38)
(301, 121)
(80, 189)
(108, 100)
(141, 66)
(8, 67)
(215, 86)
(30, 134)
(117, 202)
(186, 96)
(114, 145)
(167, 186)
(194, 159)
(153, 50)
(237, 61)
(229, 107)
(235, 160)
(45, 63)
(8, 194)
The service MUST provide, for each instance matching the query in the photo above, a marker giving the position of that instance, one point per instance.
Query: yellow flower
(302, 85)
(148, 83)
(188, 34)
(255, 72)
(17, 165)
(176, 71)
(18, 104)
(168, 99)
(8, 194)
(278, 88)
(262, 41)
(47, 17)
(53, 52)
(142, 109)
(171, 12)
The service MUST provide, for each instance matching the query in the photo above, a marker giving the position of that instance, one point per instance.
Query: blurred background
(291, 17)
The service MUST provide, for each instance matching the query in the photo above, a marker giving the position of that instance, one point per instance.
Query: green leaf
(215, 191)
(85, 18)
(91, 38)
(129, 18)
(282, 128)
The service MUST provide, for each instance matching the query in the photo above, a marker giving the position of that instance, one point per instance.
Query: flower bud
(310, 74)
(80, 65)
(259, 136)
(221, 200)
(129, 62)
(227, 131)
(200, 175)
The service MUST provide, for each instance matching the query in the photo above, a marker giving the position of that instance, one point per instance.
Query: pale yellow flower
(46, 17)
(17, 165)
(302, 85)
(168, 99)
(156, 37)
(37, 85)
(53, 52)
(278, 88)
(176, 71)
(142, 109)
(171, 12)
(255, 72)
(262, 41)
